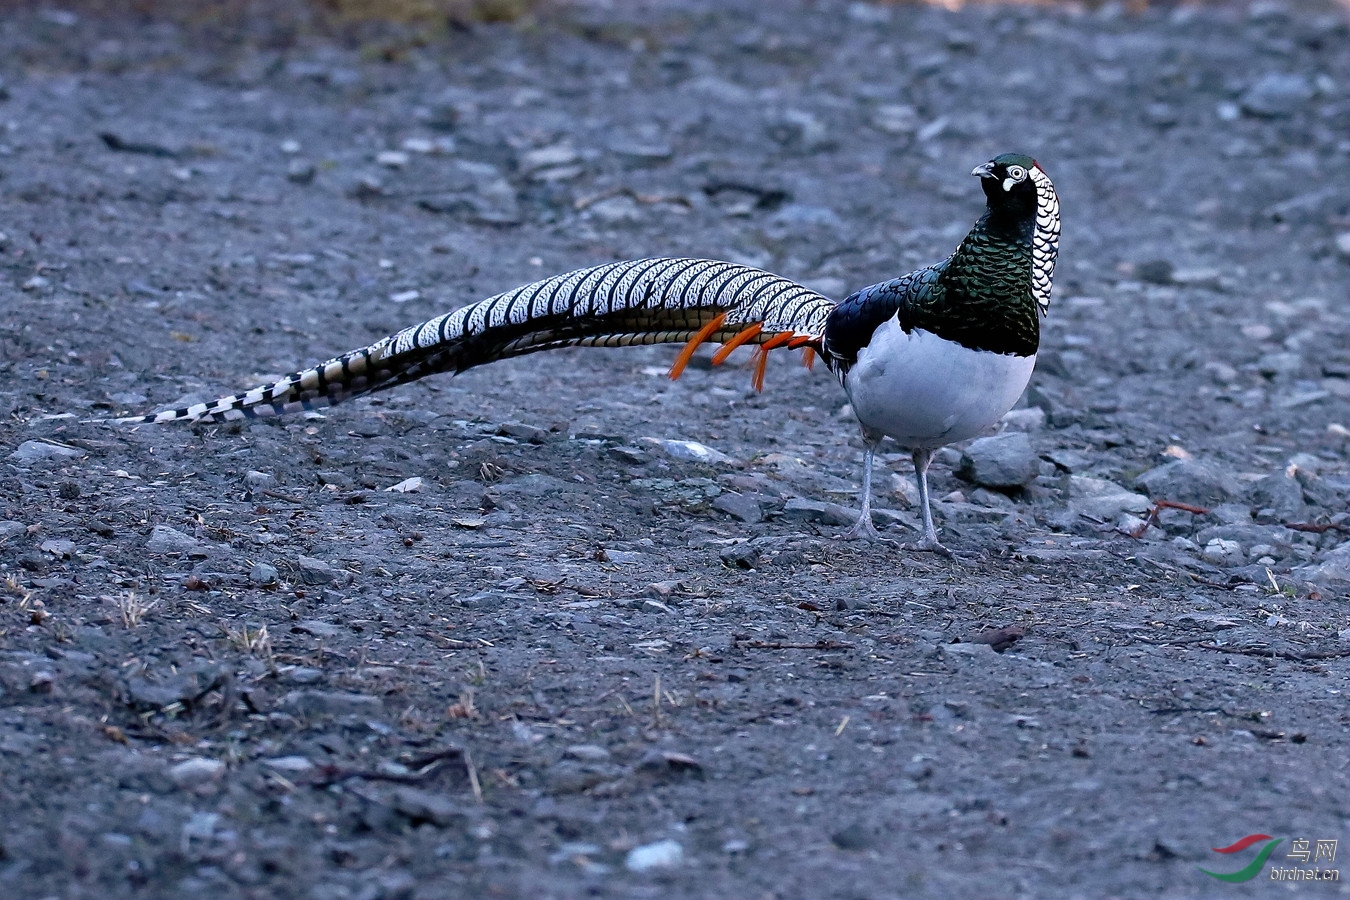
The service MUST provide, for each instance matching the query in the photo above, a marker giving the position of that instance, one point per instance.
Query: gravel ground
(505, 634)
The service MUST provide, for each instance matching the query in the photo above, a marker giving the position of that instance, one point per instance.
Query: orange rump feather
(686, 354)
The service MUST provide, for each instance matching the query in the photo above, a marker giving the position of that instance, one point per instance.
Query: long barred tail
(645, 301)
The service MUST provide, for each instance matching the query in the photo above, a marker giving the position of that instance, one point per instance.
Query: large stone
(186, 686)
(164, 539)
(1276, 95)
(1001, 461)
(30, 452)
(801, 510)
(739, 506)
(331, 703)
(1189, 481)
(315, 571)
(1332, 571)
(1103, 500)
(1281, 494)
(422, 806)
(196, 771)
(692, 451)
(661, 855)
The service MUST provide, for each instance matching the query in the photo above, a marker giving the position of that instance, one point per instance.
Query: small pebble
(300, 171)
(164, 539)
(33, 451)
(196, 771)
(41, 682)
(1276, 95)
(315, 571)
(1343, 244)
(1223, 553)
(1001, 461)
(660, 855)
(259, 481)
(263, 575)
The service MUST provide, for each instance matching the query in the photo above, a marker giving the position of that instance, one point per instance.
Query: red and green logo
(1253, 868)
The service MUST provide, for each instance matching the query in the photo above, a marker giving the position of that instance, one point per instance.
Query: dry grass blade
(132, 608)
(14, 589)
(253, 641)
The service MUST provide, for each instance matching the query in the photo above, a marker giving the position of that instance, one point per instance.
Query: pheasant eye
(1016, 173)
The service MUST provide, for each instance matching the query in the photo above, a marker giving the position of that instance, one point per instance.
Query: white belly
(926, 392)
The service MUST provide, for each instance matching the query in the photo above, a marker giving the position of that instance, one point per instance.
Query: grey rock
(1103, 500)
(660, 855)
(687, 450)
(60, 548)
(263, 575)
(1276, 95)
(1282, 364)
(556, 156)
(801, 130)
(1001, 461)
(587, 753)
(421, 806)
(300, 171)
(534, 485)
(1321, 491)
(1189, 481)
(802, 510)
(1333, 570)
(1069, 460)
(166, 540)
(740, 556)
(853, 837)
(1247, 535)
(196, 771)
(318, 628)
(367, 188)
(1155, 271)
(632, 455)
(289, 763)
(1280, 494)
(523, 432)
(34, 451)
(41, 682)
(1223, 553)
(641, 152)
(331, 703)
(259, 481)
(739, 506)
(185, 686)
(572, 777)
(11, 529)
(315, 571)
(896, 118)
(1030, 419)
(615, 210)
(302, 675)
(1205, 621)
(967, 650)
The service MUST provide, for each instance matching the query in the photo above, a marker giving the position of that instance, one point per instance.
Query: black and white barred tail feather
(644, 301)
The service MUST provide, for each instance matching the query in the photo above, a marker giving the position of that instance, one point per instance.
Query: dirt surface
(242, 662)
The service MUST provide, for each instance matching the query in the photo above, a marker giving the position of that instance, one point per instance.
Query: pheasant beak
(984, 171)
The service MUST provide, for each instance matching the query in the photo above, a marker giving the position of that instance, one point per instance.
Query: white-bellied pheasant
(928, 359)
